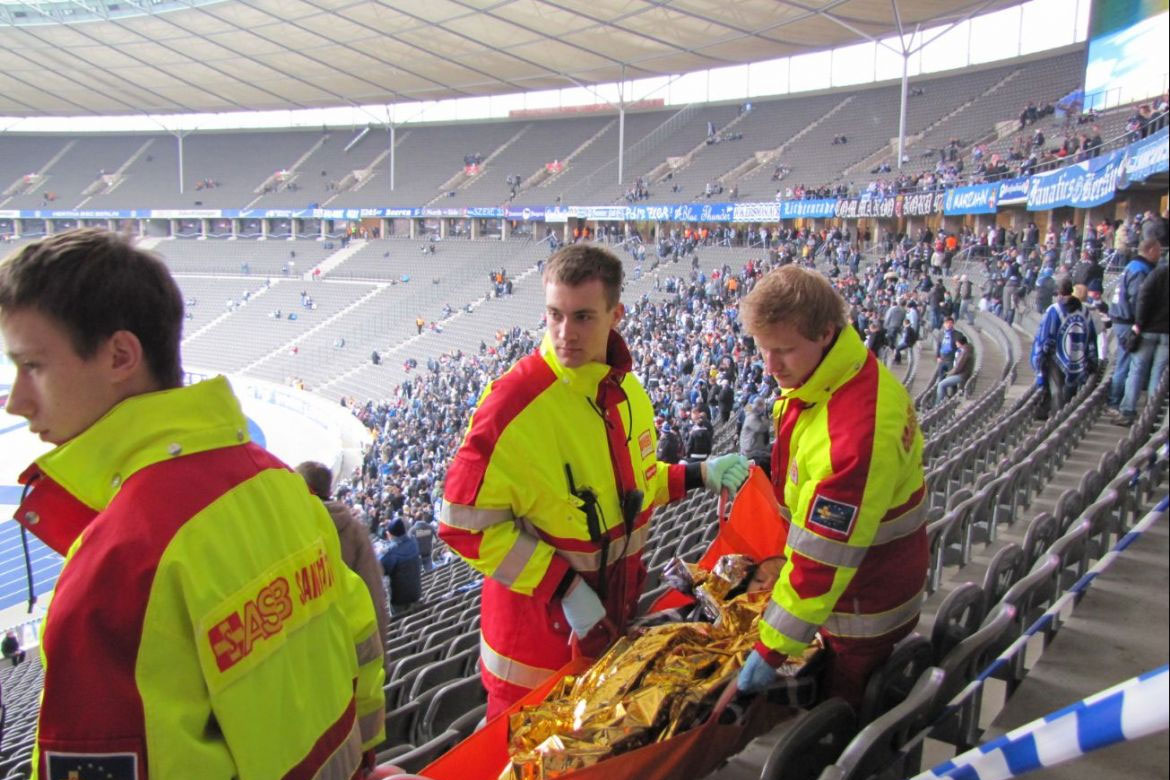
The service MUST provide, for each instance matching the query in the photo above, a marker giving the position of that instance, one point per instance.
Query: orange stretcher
(752, 527)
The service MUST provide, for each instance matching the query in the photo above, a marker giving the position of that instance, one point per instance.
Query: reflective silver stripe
(369, 649)
(590, 561)
(471, 518)
(826, 551)
(788, 624)
(901, 526)
(345, 760)
(509, 569)
(510, 670)
(786, 513)
(370, 724)
(876, 623)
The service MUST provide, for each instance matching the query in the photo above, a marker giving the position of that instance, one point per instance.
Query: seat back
(891, 683)
(972, 655)
(877, 748)
(451, 702)
(1041, 533)
(427, 752)
(442, 671)
(1004, 570)
(1072, 550)
(812, 741)
(958, 617)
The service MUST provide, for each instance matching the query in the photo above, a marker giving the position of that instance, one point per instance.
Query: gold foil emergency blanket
(643, 689)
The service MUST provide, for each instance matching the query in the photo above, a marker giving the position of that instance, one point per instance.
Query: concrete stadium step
(1118, 630)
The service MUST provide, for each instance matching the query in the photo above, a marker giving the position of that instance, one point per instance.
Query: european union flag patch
(92, 766)
(834, 516)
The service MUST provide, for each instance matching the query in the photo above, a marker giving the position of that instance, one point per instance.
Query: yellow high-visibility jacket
(847, 470)
(510, 511)
(204, 624)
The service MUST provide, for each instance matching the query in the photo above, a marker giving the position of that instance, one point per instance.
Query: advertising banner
(974, 199)
(1083, 185)
(1013, 191)
(525, 213)
(857, 208)
(768, 211)
(814, 209)
(1146, 157)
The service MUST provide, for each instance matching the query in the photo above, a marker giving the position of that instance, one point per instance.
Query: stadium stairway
(1099, 645)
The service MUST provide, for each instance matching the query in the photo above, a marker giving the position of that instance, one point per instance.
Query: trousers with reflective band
(511, 513)
(847, 468)
(205, 586)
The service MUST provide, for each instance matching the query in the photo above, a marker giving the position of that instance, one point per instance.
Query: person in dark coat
(403, 567)
(669, 445)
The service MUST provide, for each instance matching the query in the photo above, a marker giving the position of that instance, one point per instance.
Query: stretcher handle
(724, 506)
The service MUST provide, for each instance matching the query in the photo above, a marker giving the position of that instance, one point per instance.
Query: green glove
(726, 471)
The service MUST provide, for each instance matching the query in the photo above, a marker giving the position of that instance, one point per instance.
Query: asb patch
(835, 516)
(646, 444)
(92, 766)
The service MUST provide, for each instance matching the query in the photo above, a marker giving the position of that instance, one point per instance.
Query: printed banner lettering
(816, 209)
(975, 199)
(1146, 157)
(1083, 185)
(1013, 190)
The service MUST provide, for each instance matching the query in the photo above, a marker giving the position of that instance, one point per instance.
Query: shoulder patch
(645, 442)
(834, 516)
(100, 766)
(910, 428)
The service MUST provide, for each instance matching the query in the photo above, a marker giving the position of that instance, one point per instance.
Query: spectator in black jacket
(1152, 327)
(669, 445)
(700, 438)
(403, 567)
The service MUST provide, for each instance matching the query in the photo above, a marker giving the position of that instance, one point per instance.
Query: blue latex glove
(582, 608)
(726, 471)
(756, 674)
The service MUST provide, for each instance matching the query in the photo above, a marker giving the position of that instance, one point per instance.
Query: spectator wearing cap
(669, 444)
(403, 567)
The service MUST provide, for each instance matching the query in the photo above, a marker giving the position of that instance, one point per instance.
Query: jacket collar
(587, 379)
(69, 485)
(840, 364)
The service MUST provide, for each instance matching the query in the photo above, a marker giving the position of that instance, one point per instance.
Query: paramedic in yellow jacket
(552, 491)
(847, 471)
(204, 624)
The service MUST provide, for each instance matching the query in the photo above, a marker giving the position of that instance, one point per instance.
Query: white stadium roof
(118, 57)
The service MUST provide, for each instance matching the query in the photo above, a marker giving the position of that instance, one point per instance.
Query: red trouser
(852, 661)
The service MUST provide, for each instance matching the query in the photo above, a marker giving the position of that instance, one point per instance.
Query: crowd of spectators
(702, 373)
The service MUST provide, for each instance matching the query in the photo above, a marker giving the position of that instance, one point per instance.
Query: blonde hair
(795, 296)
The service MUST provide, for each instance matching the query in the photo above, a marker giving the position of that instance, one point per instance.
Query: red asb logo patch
(232, 638)
(910, 429)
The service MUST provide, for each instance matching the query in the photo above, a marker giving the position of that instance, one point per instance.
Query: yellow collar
(144, 430)
(840, 364)
(586, 379)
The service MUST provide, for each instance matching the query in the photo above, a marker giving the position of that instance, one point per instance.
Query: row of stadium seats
(296, 168)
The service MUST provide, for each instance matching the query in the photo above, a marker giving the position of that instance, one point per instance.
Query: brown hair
(577, 264)
(95, 283)
(318, 477)
(796, 296)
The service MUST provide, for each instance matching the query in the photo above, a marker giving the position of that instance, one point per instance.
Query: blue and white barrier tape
(1132, 709)
(1050, 614)
(1068, 596)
